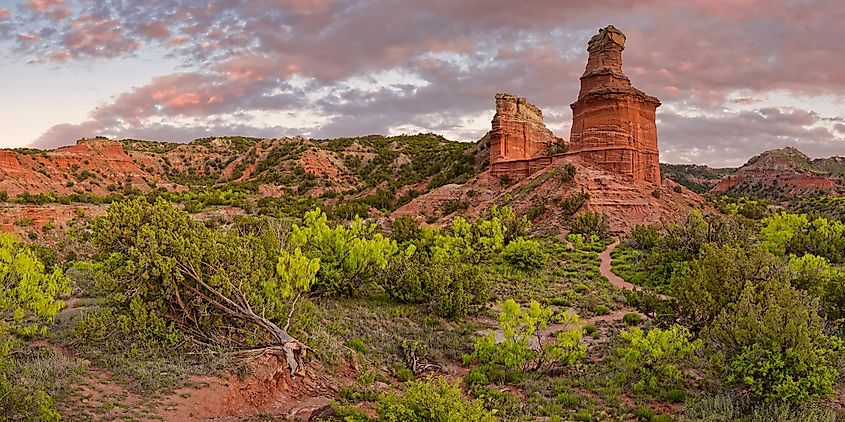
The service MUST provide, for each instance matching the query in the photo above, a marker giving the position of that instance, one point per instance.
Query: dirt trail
(606, 270)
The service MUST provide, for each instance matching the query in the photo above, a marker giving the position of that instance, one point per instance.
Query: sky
(736, 77)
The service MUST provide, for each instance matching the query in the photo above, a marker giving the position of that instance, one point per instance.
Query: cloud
(54, 10)
(730, 138)
(381, 66)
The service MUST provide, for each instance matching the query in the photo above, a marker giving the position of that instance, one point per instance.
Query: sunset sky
(736, 77)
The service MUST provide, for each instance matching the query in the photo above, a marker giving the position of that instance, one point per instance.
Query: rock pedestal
(518, 130)
(613, 123)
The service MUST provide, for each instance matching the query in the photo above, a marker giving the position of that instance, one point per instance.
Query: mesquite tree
(28, 301)
(222, 288)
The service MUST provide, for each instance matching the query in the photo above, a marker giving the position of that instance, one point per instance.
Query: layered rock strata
(518, 132)
(613, 123)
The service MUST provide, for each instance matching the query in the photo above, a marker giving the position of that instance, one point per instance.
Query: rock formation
(784, 175)
(613, 123)
(518, 130)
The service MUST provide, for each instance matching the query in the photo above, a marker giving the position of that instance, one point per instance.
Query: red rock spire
(613, 123)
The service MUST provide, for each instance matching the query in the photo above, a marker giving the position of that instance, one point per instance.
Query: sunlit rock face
(613, 123)
(518, 131)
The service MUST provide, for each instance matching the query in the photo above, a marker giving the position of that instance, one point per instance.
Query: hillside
(552, 196)
(784, 175)
(231, 175)
(696, 177)
(294, 165)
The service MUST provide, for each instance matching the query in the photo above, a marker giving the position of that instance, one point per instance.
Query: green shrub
(28, 301)
(404, 374)
(431, 400)
(524, 255)
(577, 240)
(716, 278)
(591, 223)
(590, 329)
(650, 360)
(162, 261)
(571, 204)
(644, 414)
(583, 416)
(349, 256)
(358, 345)
(643, 237)
(519, 326)
(774, 344)
(632, 318)
(675, 396)
(405, 228)
(601, 310)
(451, 287)
(450, 206)
(476, 376)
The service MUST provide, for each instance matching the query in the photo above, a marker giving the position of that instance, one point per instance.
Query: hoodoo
(613, 123)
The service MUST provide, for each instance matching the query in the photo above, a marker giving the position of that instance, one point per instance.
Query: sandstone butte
(613, 123)
(612, 145)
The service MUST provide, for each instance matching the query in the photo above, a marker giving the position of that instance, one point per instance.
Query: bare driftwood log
(237, 306)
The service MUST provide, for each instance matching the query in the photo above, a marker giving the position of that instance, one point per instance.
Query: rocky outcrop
(613, 123)
(518, 130)
(90, 166)
(783, 175)
(551, 195)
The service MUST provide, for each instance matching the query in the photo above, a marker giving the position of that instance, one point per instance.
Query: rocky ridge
(783, 175)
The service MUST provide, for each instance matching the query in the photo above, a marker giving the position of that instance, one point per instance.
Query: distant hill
(784, 176)
(101, 167)
(698, 178)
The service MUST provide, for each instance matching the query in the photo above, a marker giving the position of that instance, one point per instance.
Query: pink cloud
(5, 13)
(28, 37)
(155, 30)
(44, 5)
(98, 37)
(55, 10)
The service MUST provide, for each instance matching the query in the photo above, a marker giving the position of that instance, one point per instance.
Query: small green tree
(779, 229)
(773, 342)
(453, 288)
(519, 329)
(816, 276)
(717, 277)
(524, 254)
(214, 285)
(28, 301)
(653, 359)
(514, 226)
(349, 255)
(591, 223)
(405, 228)
(476, 242)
